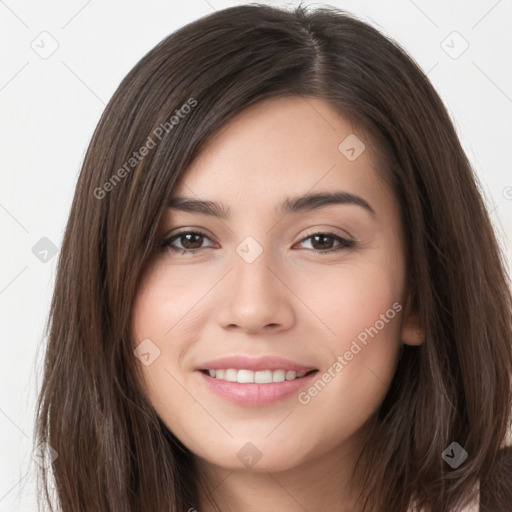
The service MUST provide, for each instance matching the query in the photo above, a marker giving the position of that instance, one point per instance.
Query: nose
(255, 297)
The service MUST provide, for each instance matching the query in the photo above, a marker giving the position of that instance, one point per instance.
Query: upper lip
(241, 362)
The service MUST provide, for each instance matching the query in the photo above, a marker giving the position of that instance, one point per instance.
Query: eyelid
(187, 229)
(328, 229)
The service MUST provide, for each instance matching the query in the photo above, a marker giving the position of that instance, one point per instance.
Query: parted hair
(114, 454)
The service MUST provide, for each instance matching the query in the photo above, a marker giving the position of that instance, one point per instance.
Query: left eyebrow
(310, 202)
(298, 204)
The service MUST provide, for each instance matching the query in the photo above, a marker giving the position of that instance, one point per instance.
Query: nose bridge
(253, 297)
(251, 269)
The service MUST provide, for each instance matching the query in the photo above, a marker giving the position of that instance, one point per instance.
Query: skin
(291, 301)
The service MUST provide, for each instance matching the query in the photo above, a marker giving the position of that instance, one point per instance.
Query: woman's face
(318, 283)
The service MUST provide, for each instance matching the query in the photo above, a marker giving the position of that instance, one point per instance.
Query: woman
(279, 288)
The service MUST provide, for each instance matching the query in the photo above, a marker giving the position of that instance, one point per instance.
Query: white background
(51, 105)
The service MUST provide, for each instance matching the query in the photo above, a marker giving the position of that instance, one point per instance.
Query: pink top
(474, 506)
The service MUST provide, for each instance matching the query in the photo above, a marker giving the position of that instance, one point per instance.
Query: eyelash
(166, 245)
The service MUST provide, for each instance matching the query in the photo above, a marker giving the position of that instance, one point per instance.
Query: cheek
(349, 300)
(165, 299)
(370, 308)
(162, 309)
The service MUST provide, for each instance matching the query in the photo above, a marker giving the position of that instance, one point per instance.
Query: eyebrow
(298, 204)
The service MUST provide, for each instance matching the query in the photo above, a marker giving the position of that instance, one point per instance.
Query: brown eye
(190, 241)
(323, 242)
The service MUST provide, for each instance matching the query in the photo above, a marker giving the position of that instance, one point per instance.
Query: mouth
(252, 388)
(246, 376)
(255, 380)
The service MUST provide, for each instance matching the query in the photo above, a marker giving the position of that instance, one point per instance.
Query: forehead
(283, 147)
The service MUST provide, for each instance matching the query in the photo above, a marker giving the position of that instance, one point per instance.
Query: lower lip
(256, 394)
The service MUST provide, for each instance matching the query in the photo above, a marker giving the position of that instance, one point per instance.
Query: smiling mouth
(243, 376)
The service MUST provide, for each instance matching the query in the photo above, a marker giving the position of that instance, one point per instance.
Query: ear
(413, 332)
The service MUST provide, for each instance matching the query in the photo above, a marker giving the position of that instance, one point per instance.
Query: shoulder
(496, 488)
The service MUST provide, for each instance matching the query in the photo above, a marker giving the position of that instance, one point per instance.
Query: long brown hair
(113, 451)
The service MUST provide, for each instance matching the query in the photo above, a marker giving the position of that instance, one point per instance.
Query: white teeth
(263, 377)
(245, 376)
(258, 377)
(231, 375)
(278, 375)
